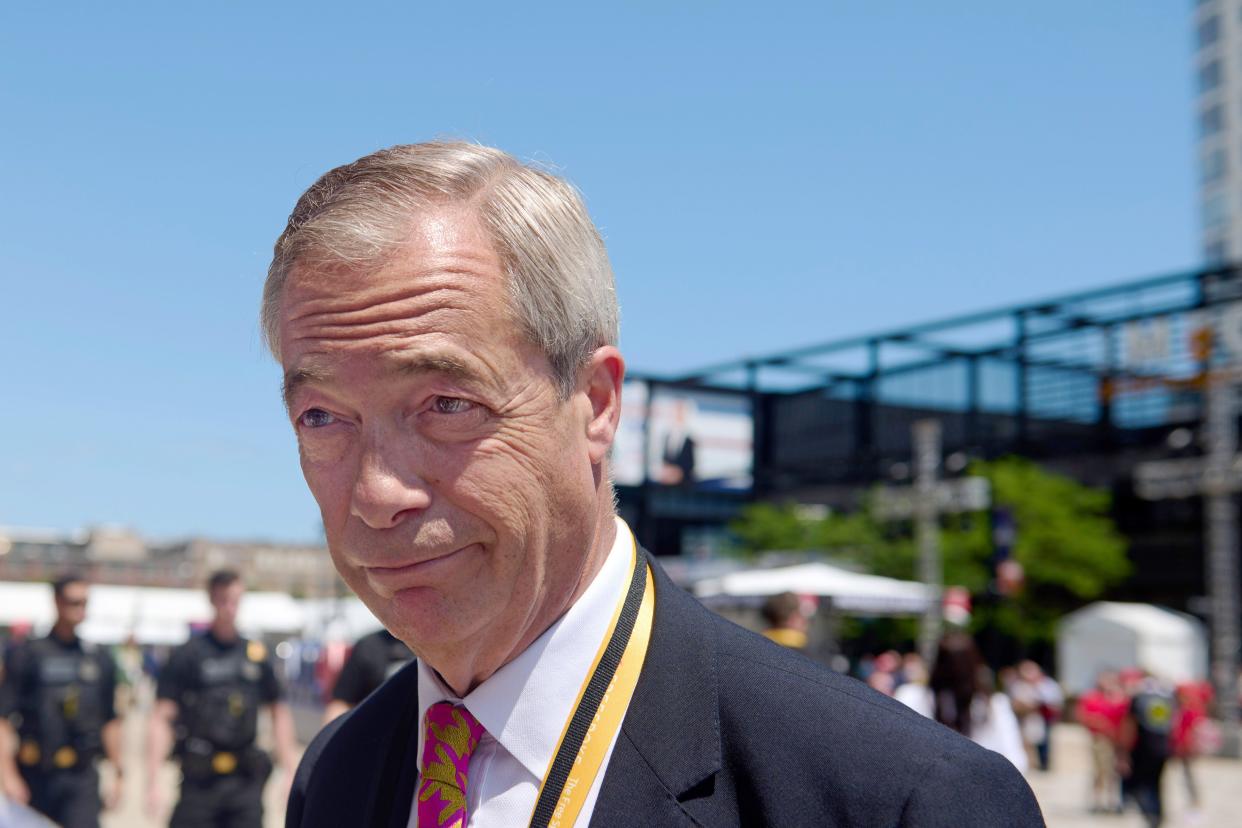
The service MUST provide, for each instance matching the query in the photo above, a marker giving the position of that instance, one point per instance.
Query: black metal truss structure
(1089, 383)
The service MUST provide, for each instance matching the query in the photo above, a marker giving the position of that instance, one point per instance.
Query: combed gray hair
(358, 215)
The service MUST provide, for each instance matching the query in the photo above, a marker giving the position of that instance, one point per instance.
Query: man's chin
(416, 616)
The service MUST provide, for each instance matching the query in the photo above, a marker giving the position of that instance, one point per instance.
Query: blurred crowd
(1138, 723)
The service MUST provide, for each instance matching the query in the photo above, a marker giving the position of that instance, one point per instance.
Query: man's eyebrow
(406, 364)
(295, 378)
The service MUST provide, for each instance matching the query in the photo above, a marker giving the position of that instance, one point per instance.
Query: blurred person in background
(961, 695)
(787, 625)
(1193, 735)
(208, 697)
(881, 673)
(1037, 700)
(130, 678)
(1101, 711)
(882, 682)
(62, 692)
(913, 669)
(374, 658)
(1145, 742)
(678, 457)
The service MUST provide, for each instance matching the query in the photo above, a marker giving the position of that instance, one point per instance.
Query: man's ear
(601, 380)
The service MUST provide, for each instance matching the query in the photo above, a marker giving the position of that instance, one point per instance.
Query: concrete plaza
(1062, 792)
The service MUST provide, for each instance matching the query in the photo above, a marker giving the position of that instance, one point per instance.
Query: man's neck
(462, 675)
(64, 633)
(223, 632)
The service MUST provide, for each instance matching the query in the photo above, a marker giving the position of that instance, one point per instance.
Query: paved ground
(1062, 792)
(132, 814)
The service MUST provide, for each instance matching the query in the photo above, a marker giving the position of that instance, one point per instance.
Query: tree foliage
(1066, 543)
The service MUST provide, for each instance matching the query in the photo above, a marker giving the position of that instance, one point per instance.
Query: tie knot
(450, 735)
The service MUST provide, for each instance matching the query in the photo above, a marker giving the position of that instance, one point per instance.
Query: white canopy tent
(338, 619)
(1114, 636)
(151, 615)
(854, 592)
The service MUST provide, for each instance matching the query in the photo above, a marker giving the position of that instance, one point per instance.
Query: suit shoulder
(968, 786)
(362, 729)
(849, 736)
(340, 770)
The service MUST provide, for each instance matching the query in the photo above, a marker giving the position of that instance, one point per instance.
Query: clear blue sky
(790, 174)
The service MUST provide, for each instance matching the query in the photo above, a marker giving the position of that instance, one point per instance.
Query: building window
(1209, 31)
(1213, 166)
(1211, 121)
(1209, 76)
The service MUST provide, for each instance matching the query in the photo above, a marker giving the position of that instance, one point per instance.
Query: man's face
(226, 601)
(71, 603)
(457, 489)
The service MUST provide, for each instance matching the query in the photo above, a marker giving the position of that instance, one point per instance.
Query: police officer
(60, 691)
(374, 658)
(208, 697)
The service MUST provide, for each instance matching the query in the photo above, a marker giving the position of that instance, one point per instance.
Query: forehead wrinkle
(339, 309)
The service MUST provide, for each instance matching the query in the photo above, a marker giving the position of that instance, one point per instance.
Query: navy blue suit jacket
(725, 729)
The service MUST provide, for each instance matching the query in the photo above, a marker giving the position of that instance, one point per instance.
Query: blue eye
(315, 418)
(451, 405)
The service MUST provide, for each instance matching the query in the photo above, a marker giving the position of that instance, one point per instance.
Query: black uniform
(60, 695)
(219, 687)
(1152, 710)
(374, 658)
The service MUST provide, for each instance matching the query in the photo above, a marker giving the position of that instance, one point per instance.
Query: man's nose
(384, 493)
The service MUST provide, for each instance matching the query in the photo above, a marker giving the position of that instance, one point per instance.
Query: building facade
(110, 555)
(1217, 39)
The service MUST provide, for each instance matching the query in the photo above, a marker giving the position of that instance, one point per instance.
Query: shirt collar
(524, 705)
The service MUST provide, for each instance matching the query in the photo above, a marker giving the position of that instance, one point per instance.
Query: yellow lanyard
(586, 736)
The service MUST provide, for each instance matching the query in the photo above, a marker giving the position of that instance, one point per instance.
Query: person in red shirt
(1193, 731)
(1101, 710)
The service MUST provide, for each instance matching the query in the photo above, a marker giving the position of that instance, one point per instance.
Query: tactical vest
(1153, 711)
(222, 706)
(63, 717)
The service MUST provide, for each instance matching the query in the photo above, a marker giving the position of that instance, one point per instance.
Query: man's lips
(389, 580)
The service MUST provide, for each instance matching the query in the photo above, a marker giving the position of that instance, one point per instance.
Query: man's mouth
(389, 580)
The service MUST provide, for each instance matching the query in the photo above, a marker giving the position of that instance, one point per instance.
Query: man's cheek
(322, 450)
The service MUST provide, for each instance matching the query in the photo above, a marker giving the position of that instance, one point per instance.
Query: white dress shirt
(524, 705)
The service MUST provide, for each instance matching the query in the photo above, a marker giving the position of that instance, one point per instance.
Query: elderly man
(447, 324)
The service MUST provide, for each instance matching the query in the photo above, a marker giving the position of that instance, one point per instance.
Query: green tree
(787, 527)
(1066, 543)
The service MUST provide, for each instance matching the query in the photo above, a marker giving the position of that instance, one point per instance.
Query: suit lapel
(399, 772)
(669, 746)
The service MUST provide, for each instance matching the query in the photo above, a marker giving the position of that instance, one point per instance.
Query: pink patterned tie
(450, 735)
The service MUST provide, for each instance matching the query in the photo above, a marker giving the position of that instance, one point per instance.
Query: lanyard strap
(601, 705)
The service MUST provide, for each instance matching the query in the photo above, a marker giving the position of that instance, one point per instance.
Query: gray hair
(560, 282)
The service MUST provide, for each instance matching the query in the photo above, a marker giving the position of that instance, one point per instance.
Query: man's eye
(451, 405)
(315, 418)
